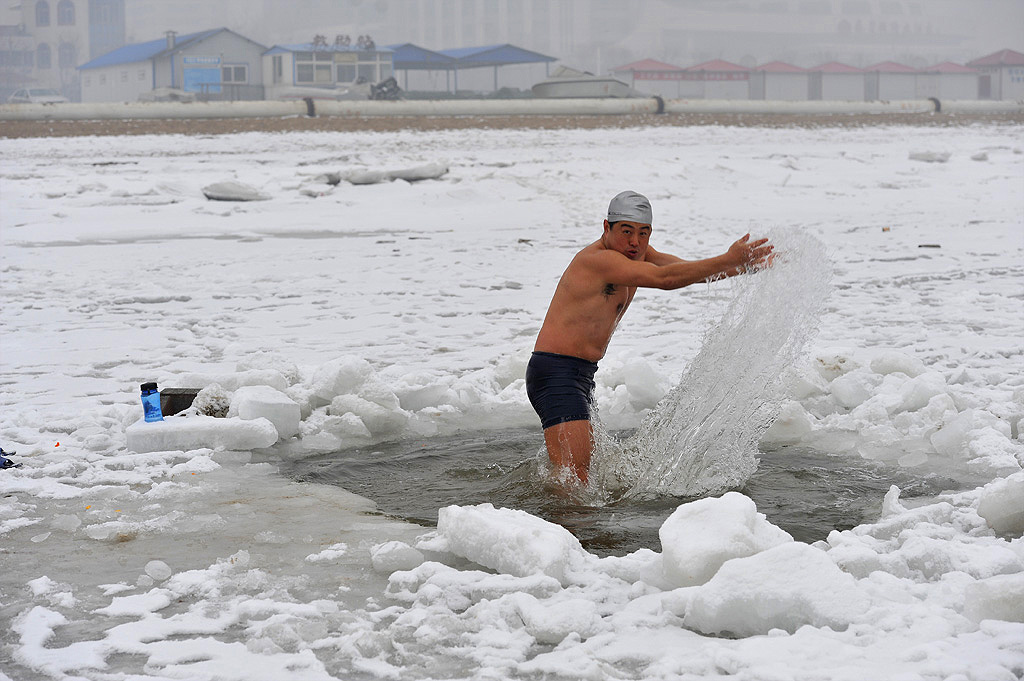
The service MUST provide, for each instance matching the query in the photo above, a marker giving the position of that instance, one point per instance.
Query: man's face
(628, 238)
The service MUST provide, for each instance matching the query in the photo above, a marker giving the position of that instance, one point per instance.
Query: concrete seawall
(484, 107)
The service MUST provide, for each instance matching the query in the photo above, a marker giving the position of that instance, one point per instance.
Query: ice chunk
(379, 420)
(550, 623)
(892, 361)
(199, 432)
(235, 380)
(929, 156)
(233, 191)
(996, 598)
(917, 392)
(1002, 505)
(702, 535)
(158, 570)
(785, 587)
(852, 389)
(429, 171)
(834, 364)
(213, 400)
(509, 541)
(951, 439)
(395, 555)
(341, 376)
(256, 401)
(792, 425)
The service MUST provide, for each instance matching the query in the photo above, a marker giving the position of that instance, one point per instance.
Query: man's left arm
(661, 259)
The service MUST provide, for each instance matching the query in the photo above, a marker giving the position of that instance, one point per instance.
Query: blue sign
(202, 80)
(201, 60)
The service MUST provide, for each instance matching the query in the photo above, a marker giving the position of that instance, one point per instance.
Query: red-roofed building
(836, 81)
(778, 80)
(716, 79)
(947, 81)
(653, 77)
(1001, 75)
(889, 80)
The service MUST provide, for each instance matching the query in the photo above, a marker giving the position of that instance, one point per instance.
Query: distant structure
(1002, 75)
(214, 64)
(53, 38)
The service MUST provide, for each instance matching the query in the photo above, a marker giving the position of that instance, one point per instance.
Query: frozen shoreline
(116, 270)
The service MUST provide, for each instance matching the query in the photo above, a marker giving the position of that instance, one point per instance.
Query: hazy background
(597, 35)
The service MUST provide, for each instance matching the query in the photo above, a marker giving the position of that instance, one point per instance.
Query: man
(590, 299)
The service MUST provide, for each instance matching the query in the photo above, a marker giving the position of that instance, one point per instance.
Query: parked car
(36, 95)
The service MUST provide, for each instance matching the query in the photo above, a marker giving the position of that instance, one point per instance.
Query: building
(62, 35)
(1001, 75)
(889, 81)
(947, 81)
(323, 65)
(653, 77)
(716, 79)
(778, 80)
(214, 64)
(836, 81)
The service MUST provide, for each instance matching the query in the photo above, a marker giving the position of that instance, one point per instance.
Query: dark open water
(804, 492)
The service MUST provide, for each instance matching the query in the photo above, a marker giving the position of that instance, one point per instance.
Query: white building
(947, 81)
(1001, 75)
(889, 81)
(214, 64)
(716, 79)
(836, 81)
(779, 81)
(287, 67)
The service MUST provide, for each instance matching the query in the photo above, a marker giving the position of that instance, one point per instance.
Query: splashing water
(702, 437)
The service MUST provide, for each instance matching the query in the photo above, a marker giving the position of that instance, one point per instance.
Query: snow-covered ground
(401, 309)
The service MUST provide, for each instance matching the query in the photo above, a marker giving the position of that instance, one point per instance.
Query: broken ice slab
(198, 432)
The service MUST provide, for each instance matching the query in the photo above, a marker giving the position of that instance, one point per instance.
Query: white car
(36, 95)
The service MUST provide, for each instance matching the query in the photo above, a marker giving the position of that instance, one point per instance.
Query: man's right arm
(742, 254)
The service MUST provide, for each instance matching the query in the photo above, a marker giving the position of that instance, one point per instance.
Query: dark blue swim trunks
(560, 387)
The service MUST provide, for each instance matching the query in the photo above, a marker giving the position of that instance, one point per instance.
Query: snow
(699, 537)
(408, 309)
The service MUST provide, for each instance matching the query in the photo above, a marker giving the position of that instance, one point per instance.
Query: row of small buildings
(222, 64)
(996, 76)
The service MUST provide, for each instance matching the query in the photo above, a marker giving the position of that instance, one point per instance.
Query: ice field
(345, 316)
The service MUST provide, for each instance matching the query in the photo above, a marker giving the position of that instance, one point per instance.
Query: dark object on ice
(6, 463)
(386, 90)
(175, 400)
(929, 246)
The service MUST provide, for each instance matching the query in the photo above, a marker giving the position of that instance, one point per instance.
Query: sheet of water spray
(702, 438)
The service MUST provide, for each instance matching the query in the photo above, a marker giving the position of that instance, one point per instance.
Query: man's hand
(751, 255)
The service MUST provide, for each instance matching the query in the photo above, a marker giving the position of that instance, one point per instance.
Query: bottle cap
(149, 386)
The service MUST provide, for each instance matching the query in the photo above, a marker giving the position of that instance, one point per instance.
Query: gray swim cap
(631, 206)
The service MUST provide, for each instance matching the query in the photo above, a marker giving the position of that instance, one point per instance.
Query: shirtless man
(590, 299)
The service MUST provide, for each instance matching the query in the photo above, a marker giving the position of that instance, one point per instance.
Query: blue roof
(495, 55)
(409, 56)
(310, 47)
(145, 51)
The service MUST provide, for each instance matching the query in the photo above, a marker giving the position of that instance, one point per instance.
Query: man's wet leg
(571, 444)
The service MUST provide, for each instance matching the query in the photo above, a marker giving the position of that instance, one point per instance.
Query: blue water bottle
(151, 402)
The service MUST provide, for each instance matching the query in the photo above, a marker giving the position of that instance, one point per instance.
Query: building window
(42, 13)
(346, 73)
(368, 71)
(234, 74)
(124, 76)
(142, 74)
(43, 56)
(314, 67)
(278, 68)
(65, 13)
(66, 56)
(103, 79)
